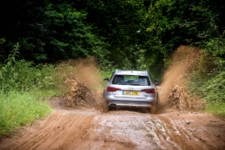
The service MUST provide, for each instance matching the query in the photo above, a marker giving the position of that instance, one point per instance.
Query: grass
(217, 108)
(18, 109)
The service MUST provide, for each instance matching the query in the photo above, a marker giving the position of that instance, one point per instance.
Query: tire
(111, 108)
(154, 109)
(146, 110)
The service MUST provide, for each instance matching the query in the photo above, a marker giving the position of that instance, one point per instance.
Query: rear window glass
(131, 80)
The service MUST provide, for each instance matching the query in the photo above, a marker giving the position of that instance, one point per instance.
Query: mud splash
(78, 95)
(173, 90)
(83, 84)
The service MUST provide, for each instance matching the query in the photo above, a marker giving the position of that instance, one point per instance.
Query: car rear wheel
(154, 108)
(110, 108)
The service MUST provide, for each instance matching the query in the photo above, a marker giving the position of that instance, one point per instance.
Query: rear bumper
(114, 103)
(130, 101)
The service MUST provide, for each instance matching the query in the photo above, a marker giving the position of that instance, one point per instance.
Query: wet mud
(84, 129)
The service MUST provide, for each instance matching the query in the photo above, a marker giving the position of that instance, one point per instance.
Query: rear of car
(130, 88)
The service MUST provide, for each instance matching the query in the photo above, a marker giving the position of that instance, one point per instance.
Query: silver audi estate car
(130, 88)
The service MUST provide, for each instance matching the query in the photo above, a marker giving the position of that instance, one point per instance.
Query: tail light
(148, 90)
(112, 89)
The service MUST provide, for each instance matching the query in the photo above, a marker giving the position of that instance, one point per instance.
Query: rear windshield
(131, 80)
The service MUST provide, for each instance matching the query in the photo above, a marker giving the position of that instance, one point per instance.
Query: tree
(47, 31)
(177, 22)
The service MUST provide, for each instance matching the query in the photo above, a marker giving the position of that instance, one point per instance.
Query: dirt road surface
(90, 129)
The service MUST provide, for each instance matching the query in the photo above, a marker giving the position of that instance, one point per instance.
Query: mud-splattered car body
(130, 88)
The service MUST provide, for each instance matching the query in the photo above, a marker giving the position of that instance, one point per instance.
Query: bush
(213, 89)
(23, 75)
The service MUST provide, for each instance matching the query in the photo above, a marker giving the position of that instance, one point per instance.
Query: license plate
(135, 93)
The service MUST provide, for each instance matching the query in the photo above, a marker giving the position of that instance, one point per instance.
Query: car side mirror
(106, 79)
(156, 82)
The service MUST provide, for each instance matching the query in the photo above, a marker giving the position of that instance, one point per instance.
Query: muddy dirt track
(178, 125)
(84, 129)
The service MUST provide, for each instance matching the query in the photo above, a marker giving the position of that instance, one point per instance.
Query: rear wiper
(135, 84)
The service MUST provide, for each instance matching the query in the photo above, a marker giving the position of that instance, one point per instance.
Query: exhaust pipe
(112, 105)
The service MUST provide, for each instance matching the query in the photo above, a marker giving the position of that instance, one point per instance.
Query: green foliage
(216, 108)
(152, 61)
(216, 47)
(213, 89)
(70, 36)
(24, 26)
(18, 109)
(48, 31)
(112, 31)
(23, 75)
(173, 23)
(2, 40)
(122, 24)
(22, 88)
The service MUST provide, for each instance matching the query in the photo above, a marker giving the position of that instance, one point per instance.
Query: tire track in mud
(125, 130)
(58, 131)
(170, 131)
(194, 131)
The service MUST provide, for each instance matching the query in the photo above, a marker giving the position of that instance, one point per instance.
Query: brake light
(112, 89)
(148, 90)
